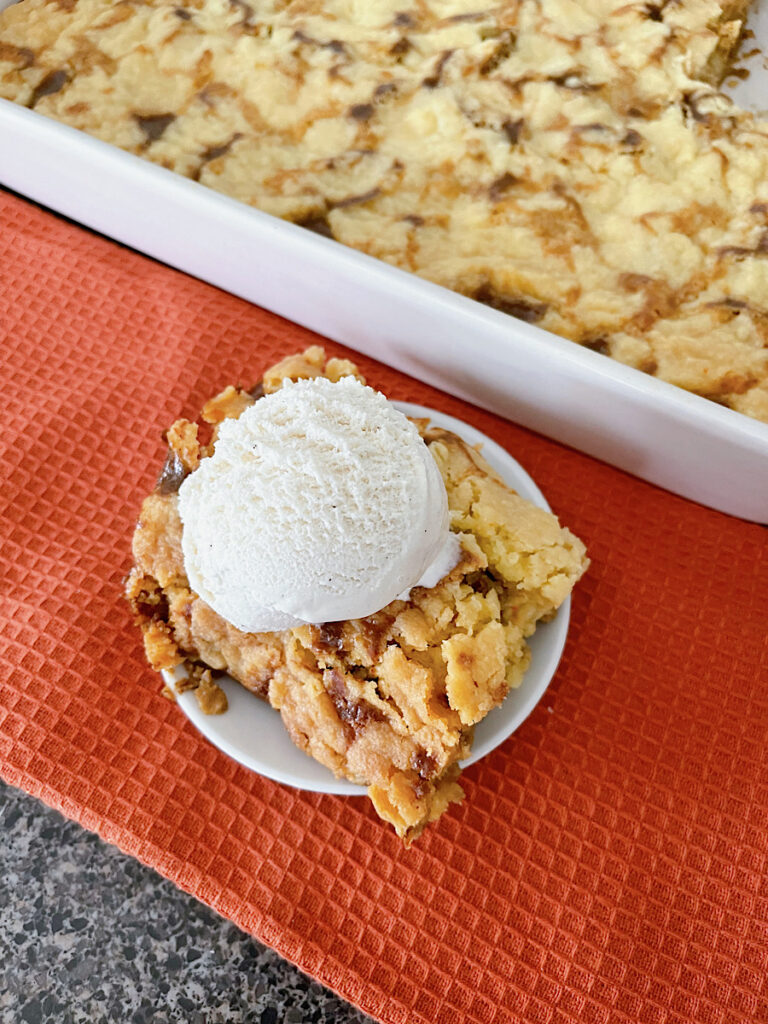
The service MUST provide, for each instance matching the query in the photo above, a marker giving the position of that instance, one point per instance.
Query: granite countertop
(88, 934)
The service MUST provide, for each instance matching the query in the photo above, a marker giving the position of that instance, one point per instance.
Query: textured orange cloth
(610, 862)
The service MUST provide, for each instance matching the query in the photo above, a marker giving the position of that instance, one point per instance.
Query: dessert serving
(569, 163)
(372, 578)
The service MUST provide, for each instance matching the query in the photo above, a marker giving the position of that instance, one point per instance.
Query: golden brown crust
(570, 164)
(228, 404)
(182, 441)
(388, 701)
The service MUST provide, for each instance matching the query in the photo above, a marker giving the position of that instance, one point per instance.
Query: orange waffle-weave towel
(610, 862)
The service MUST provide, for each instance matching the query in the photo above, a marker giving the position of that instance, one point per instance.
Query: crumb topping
(390, 700)
(569, 164)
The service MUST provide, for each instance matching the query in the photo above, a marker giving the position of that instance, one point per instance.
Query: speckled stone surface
(89, 935)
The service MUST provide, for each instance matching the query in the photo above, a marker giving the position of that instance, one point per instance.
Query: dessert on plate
(569, 162)
(371, 577)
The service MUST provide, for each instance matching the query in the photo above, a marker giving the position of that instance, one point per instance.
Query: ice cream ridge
(368, 575)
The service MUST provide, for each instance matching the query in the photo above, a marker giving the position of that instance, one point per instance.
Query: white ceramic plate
(251, 731)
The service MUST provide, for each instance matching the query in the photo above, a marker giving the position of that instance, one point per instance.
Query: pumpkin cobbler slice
(389, 699)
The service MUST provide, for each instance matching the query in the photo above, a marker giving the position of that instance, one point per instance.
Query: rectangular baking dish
(676, 440)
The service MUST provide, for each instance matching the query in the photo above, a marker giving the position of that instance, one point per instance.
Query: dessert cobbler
(568, 162)
(388, 700)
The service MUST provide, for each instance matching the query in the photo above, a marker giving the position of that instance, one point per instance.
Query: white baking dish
(645, 426)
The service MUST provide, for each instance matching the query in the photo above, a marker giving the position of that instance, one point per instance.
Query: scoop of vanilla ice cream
(320, 502)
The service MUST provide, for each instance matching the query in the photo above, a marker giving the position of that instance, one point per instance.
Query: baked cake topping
(567, 162)
(388, 700)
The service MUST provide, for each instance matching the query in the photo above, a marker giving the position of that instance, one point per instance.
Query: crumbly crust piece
(568, 163)
(388, 701)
